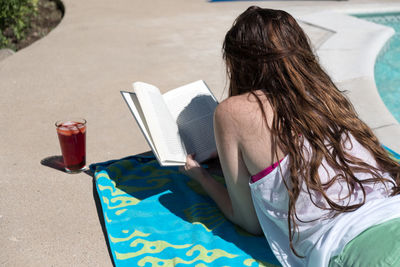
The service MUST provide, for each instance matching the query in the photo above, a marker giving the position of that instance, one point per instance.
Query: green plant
(14, 19)
(4, 42)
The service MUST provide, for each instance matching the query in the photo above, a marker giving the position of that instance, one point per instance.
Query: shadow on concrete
(56, 162)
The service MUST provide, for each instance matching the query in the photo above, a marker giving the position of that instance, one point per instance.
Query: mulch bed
(49, 14)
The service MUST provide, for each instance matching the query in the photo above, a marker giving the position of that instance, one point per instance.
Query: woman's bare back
(253, 133)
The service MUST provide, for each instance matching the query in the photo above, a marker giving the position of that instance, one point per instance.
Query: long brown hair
(267, 50)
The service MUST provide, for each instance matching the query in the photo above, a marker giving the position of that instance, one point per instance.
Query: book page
(134, 106)
(198, 136)
(162, 126)
(192, 106)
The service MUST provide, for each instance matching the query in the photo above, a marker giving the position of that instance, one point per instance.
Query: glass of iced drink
(72, 137)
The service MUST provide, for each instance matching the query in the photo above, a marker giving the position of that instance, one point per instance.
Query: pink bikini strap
(264, 172)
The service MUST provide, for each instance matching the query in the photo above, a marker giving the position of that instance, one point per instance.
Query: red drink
(72, 136)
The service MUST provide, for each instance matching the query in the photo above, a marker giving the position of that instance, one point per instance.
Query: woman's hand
(192, 168)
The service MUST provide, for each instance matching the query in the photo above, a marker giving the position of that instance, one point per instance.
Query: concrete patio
(49, 218)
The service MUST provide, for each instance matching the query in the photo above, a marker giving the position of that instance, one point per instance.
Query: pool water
(387, 65)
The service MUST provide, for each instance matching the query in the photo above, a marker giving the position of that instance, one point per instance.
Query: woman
(329, 179)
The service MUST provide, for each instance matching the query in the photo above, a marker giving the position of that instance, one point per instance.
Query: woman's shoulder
(243, 108)
(242, 112)
(232, 110)
(230, 106)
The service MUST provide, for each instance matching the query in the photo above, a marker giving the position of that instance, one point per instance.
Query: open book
(176, 123)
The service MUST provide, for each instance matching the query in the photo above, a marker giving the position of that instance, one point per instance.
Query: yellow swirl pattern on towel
(158, 217)
(136, 233)
(152, 247)
(204, 255)
(122, 201)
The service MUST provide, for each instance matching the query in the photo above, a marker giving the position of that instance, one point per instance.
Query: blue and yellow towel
(156, 216)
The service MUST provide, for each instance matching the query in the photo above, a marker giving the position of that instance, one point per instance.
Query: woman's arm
(227, 127)
(235, 200)
(214, 189)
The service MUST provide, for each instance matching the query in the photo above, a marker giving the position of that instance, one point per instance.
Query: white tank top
(325, 236)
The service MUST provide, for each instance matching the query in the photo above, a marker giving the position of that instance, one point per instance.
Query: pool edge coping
(342, 71)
